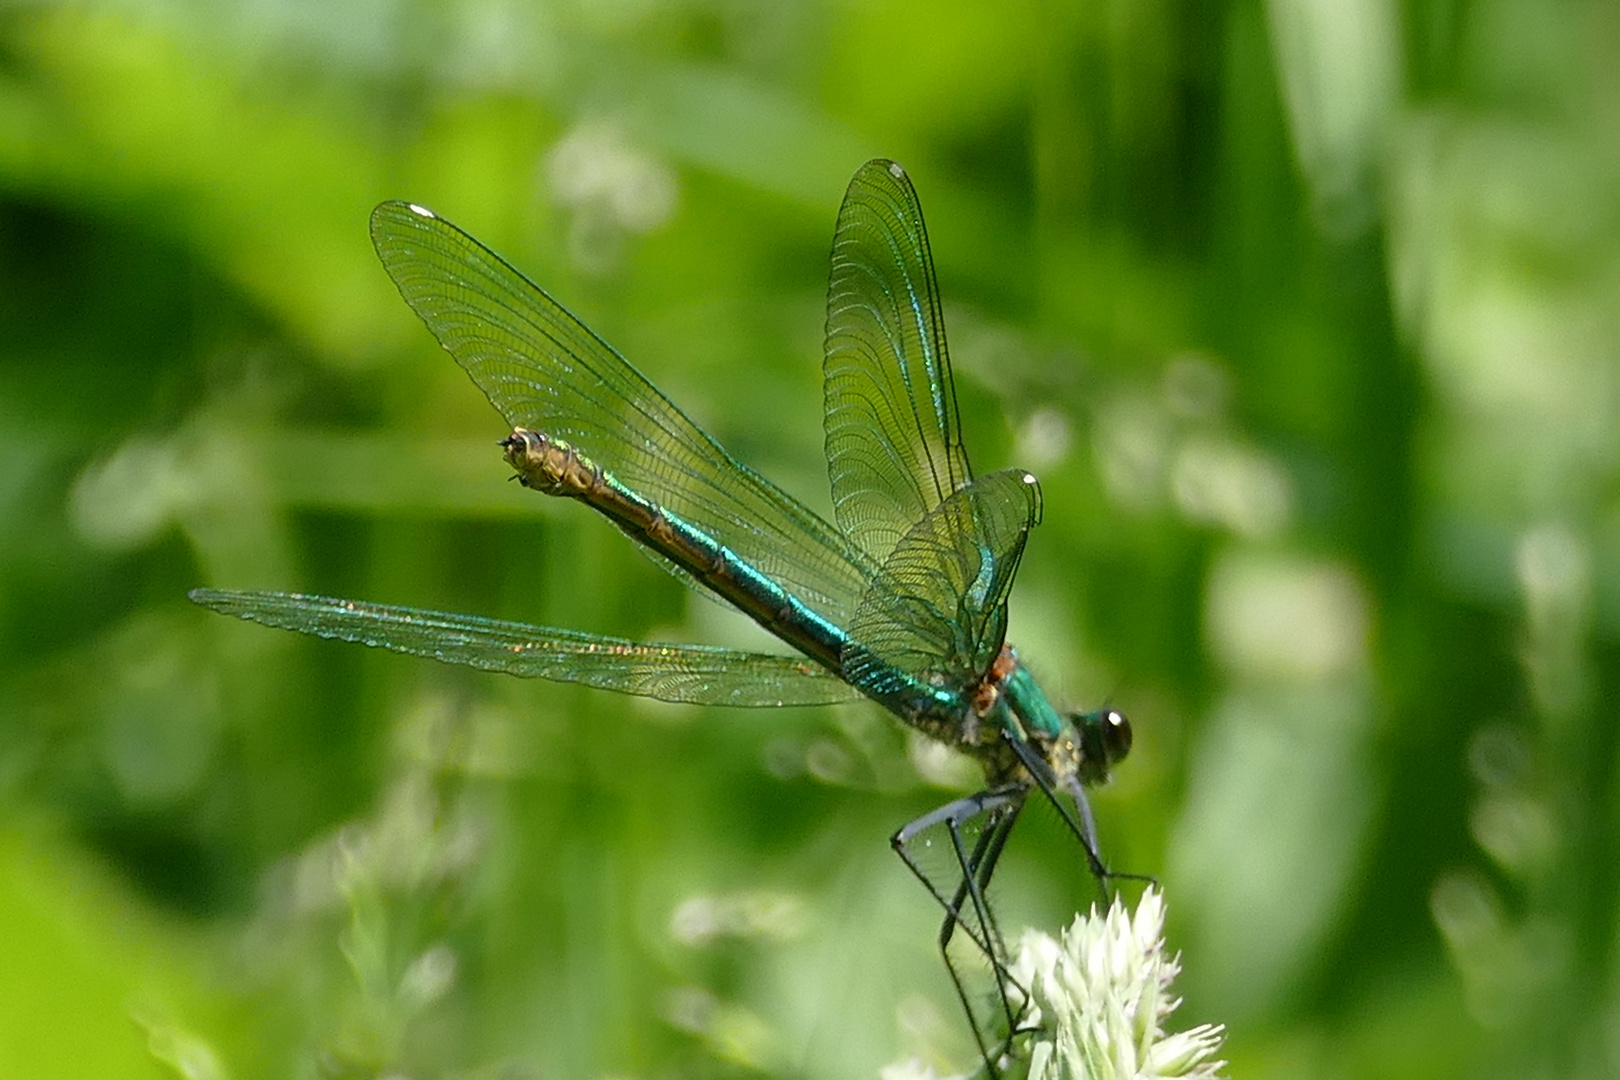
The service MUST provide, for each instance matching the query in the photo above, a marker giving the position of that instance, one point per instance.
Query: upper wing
(894, 441)
(937, 610)
(545, 370)
(701, 675)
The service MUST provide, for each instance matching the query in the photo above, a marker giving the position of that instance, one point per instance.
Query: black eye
(1116, 735)
(1105, 739)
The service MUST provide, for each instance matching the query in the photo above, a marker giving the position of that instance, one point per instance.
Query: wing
(701, 675)
(937, 611)
(545, 370)
(894, 441)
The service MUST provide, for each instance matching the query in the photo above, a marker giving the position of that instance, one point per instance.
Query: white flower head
(1100, 997)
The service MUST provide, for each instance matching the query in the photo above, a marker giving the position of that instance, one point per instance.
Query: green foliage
(1303, 314)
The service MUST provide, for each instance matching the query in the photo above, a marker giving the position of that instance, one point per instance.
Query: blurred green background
(1304, 312)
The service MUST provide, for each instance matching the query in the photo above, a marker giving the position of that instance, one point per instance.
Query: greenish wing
(545, 370)
(937, 610)
(894, 440)
(698, 674)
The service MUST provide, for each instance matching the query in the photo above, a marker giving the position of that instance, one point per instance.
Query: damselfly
(903, 600)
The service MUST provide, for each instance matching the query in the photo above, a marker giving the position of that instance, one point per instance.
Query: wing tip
(881, 164)
(400, 205)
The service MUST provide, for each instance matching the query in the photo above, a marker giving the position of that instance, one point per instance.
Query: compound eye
(1116, 736)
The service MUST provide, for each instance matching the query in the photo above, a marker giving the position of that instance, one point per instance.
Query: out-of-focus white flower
(1100, 997)
(596, 165)
(910, 1069)
(610, 188)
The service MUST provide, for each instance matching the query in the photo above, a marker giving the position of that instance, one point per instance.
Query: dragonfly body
(1006, 703)
(902, 601)
(555, 468)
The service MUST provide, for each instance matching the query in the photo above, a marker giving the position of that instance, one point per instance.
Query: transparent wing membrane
(937, 611)
(894, 440)
(698, 674)
(545, 370)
